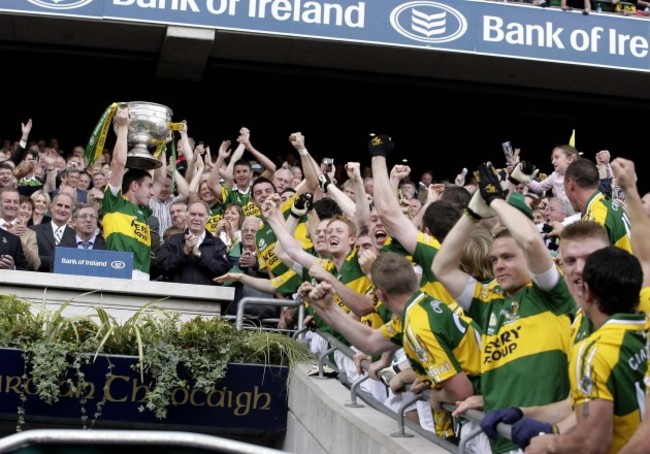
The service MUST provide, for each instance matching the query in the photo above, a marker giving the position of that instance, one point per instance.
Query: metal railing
(355, 391)
(470, 415)
(149, 438)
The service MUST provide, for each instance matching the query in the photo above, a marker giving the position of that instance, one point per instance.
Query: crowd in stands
(618, 7)
(519, 293)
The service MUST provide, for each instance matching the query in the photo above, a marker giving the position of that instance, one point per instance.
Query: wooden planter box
(251, 400)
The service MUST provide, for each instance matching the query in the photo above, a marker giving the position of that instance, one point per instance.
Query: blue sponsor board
(93, 262)
(251, 399)
(478, 27)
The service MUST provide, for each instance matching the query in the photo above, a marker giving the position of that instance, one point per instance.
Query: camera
(328, 163)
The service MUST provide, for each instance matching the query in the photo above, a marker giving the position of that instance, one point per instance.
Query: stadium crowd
(519, 293)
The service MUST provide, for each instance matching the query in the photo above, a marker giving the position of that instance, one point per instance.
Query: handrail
(251, 300)
(471, 415)
(128, 437)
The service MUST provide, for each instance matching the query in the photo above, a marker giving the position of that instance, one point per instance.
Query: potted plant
(150, 371)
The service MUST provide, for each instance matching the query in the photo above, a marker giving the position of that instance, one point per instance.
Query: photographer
(70, 177)
(558, 218)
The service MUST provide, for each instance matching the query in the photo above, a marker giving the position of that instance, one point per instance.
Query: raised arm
(159, 175)
(446, 263)
(258, 283)
(310, 168)
(182, 186)
(186, 148)
(269, 166)
(370, 341)
(362, 206)
(626, 177)
(301, 205)
(292, 247)
(121, 148)
(346, 204)
(229, 173)
(215, 173)
(522, 228)
(395, 221)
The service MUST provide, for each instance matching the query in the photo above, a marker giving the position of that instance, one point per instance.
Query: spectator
(96, 198)
(28, 182)
(425, 180)
(414, 207)
(604, 172)
(26, 210)
(99, 180)
(423, 242)
(610, 302)
(178, 214)
(49, 235)
(11, 222)
(625, 173)
(42, 203)
(11, 252)
(87, 235)
(369, 185)
(125, 208)
(196, 256)
(160, 205)
(7, 178)
(239, 175)
(287, 194)
(417, 317)
(245, 273)
(528, 297)
(581, 183)
(85, 181)
(282, 179)
(561, 157)
(70, 178)
(229, 228)
(296, 172)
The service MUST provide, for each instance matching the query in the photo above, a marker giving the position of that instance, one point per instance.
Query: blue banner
(251, 399)
(93, 262)
(478, 27)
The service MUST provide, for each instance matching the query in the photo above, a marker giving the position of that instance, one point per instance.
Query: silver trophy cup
(148, 128)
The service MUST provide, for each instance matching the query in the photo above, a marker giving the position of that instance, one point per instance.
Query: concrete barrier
(320, 423)
(122, 297)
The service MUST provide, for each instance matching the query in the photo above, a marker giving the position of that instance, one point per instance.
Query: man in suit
(49, 235)
(195, 256)
(9, 205)
(87, 234)
(11, 252)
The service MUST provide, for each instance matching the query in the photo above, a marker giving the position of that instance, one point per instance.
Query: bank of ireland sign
(428, 22)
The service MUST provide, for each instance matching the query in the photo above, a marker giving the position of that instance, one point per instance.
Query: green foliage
(170, 353)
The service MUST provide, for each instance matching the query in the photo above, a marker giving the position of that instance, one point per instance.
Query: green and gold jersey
(214, 216)
(439, 344)
(243, 199)
(266, 240)
(425, 250)
(610, 365)
(582, 327)
(610, 215)
(126, 228)
(525, 340)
